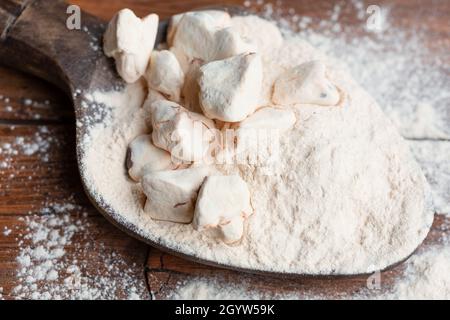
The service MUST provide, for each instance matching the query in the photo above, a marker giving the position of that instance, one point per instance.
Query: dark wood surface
(57, 180)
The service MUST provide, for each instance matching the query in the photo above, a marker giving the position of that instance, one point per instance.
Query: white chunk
(165, 75)
(200, 36)
(171, 195)
(229, 43)
(251, 26)
(230, 89)
(194, 38)
(221, 200)
(130, 41)
(181, 132)
(221, 19)
(233, 231)
(144, 157)
(306, 84)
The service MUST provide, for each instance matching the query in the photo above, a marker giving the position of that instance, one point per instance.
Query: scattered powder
(351, 156)
(394, 64)
(94, 42)
(35, 104)
(434, 157)
(6, 231)
(425, 277)
(53, 266)
(37, 145)
(52, 263)
(202, 289)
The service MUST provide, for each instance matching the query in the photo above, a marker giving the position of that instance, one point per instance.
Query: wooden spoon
(34, 38)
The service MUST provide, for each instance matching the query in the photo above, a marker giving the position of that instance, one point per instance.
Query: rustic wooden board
(56, 179)
(43, 179)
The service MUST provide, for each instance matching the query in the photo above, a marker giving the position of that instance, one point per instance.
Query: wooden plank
(26, 98)
(98, 250)
(38, 165)
(165, 9)
(33, 182)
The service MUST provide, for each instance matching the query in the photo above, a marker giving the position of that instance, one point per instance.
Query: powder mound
(344, 197)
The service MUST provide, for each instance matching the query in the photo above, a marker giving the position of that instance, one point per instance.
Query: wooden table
(56, 179)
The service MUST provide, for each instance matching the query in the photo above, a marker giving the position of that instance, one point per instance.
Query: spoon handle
(35, 38)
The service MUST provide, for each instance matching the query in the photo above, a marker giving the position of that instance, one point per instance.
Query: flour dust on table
(48, 269)
(425, 277)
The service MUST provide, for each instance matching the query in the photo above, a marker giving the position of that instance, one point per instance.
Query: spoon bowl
(73, 60)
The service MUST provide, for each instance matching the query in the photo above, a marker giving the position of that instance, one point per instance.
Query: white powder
(6, 231)
(426, 277)
(434, 157)
(47, 271)
(395, 65)
(201, 289)
(346, 196)
(55, 250)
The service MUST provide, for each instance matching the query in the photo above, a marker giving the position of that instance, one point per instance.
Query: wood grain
(30, 100)
(33, 182)
(54, 178)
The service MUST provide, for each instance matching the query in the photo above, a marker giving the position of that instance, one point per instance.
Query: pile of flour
(401, 67)
(420, 110)
(344, 197)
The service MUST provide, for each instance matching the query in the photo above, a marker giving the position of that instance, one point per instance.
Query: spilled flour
(425, 277)
(56, 245)
(343, 197)
(51, 265)
(434, 157)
